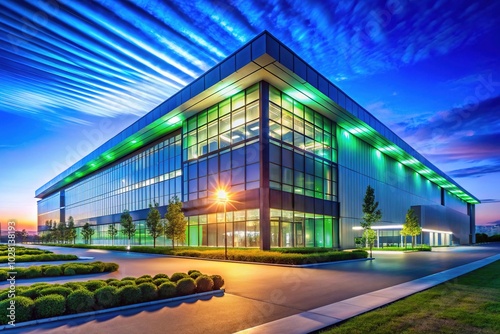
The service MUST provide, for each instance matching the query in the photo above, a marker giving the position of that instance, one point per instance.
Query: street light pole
(222, 197)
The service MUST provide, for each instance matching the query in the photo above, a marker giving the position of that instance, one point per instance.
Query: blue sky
(74, 73)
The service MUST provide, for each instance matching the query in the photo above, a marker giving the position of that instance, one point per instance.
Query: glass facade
(153, 175)
(303, 150)
(49, 209)
(221, 148)
(300, 229)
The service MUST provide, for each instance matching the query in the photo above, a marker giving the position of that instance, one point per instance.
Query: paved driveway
(255, 294)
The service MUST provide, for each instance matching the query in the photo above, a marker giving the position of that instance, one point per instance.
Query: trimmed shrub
(56, 290)
(52, 271)
(128, 278)
(24, 309)
(97, 267)
(82, 269)
(69, 271)
(80, 300)
(195, 274)
(74, 285)
(30, 293)
(120, 284)
(49, 306)
(107, 296)
(143, 280)
(193, 271)
(4, 294)
(160, 281)
(94, 285)
(178, 276)
(204, 283)
(3, 275)
(160, 276)
(109, 280)
(33, 272)
(111, 266)
(167, 290)
(149, 291)
(36, 285)
(186, 286)
(218, 281)
(145, 276)
(130, 294)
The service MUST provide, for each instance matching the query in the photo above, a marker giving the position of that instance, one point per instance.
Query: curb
(113, 309)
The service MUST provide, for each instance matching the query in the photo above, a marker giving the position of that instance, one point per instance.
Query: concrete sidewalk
(331, 314)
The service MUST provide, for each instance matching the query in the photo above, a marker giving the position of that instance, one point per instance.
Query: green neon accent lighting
(93, 165)
(173, 120)
(134, 141)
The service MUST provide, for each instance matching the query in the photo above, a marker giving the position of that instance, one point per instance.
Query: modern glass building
(293, 151)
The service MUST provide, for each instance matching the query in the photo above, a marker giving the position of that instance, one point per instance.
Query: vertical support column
(472, 217)
(62, 206)
(265, 214)
(378, 238)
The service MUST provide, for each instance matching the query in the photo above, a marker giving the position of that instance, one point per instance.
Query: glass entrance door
(286, 234)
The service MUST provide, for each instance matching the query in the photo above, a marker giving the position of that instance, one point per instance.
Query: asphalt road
(255, 294)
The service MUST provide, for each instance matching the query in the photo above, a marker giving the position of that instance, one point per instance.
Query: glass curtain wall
(153, 175)
(49, 209)
(221, 147)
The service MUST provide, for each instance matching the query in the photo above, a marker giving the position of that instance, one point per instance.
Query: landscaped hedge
(40, 257)
(293, 256)
(66, 269)
(43, 300)
(276, 257)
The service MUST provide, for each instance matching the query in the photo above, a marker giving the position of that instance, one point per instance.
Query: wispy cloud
(108, 58)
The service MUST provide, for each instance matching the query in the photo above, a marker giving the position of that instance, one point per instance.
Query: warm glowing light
(222, 196)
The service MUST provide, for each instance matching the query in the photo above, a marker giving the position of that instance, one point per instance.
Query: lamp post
(222, 198)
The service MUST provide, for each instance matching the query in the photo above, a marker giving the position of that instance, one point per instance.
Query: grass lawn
(467, 304)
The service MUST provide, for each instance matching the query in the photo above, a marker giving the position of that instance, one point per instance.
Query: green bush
(130, 294)
(178, 276)
(167, 290)
(52, 271)
(33, 272)
(107, 296)
(30, 293)
(195, 274)
(94, 285)
(218, 281)
(74, 285)
(24, 309)
(193, 271)
(69, 271)
(49, 306)
(143, 280)
(97, 267)
(5, 294)
(145, 276)
(120, 284)
(149, 291)
(160, 281)
(110, 267)
(204, 283)
(160, 276)
(56, 290)
(109, 280)
(40, 258)
(3, 275)
(80, 301)
(128, 278)
(186, 286)
(82, 269)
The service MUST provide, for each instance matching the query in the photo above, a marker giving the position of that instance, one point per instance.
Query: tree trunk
(154, 242)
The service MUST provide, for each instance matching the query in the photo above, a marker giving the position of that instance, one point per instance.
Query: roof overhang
(263, 58)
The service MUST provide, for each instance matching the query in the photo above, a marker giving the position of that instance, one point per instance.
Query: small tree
(61, 232)
(128, 227)
(24, 235)
(371, 214)
(87, 232)
(112, 231)
(154, 224)
(411, 226)
(71, 230)
(405, 233)
(176, 225)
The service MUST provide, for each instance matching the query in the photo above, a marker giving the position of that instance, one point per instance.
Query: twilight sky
(75, 73)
